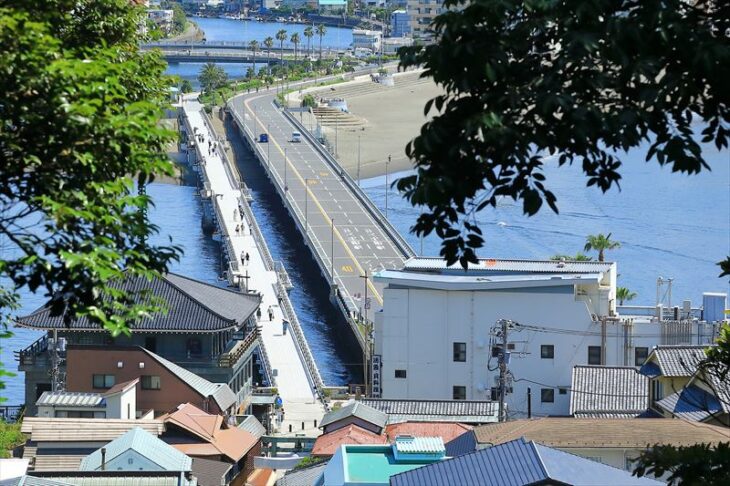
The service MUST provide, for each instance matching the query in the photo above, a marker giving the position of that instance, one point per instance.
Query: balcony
(229, 358)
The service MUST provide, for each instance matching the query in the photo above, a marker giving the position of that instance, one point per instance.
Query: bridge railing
(377, 215)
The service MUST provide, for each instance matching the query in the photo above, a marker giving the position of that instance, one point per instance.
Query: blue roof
(461, 445)
(139, 440)
(518, 463)
(650, 369)
(691, 403)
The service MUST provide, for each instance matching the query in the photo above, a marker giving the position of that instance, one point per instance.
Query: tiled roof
(232, 442)
(446, 430)
(719, 380)
(608, 389)
(147, 445)
(327, 444)
(121, 387)
(192, 306)
(517, 463)
(251, 425)
(464, 411)
(691, 403)
(57, 462)
(130, 478)
(71, 399)
(603, 433)
(302, 477)
(44, 429)
(496, 265)
(220, 392)
(359, 410)
(209, 472)
(675, 361)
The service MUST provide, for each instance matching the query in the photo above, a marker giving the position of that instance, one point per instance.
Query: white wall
(122, 405)
(131, 461)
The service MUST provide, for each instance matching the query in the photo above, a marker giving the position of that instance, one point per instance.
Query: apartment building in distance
(421, 13)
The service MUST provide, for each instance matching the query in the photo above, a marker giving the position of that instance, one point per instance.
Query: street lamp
(306, 212)
(268, 145)
(286, 186)
(332, 252)
(387, 163)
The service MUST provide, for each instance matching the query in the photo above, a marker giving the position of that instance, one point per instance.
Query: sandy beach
(390, 117)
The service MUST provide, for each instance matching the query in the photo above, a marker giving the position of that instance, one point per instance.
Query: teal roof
(333, 2)
(368, 464)
(144, 443)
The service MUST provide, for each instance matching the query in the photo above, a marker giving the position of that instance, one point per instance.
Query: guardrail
(267, 364)
(301, 341)
(377, 215)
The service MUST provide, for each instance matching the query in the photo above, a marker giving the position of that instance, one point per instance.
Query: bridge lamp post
(268, 146)
(387, 163)
(286, 186)
(306, 202)
(332, 252)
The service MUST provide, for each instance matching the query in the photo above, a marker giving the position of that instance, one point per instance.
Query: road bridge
(348, 236)
(250, 266)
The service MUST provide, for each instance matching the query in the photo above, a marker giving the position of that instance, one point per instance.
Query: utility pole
(365, 304)
(387, 163)
(504, 323)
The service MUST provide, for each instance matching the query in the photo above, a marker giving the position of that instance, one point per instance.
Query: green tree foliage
(281, 36)
(10, 438)
(179, 19)
(269, 43)
(624, 295)
(700, 465)
(186, 86)
(600, 243)
(585, 80)
(309, 33)
(212, 77)
(309, 101)
(321, 31)
(578, 257)
(254, 46)
(79, 112)
(295, 40)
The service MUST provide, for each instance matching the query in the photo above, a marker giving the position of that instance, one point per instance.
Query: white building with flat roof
(438, 337)
(366, 39)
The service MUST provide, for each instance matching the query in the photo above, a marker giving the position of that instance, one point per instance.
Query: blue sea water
(669, 224)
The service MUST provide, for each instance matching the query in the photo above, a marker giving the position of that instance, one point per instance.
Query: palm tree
(624, 294)
(579, 257)
(254, 45)
(281, 37)
(600, 243)
(309, 33)
(295, 40)
(269, 43)
(321, 31)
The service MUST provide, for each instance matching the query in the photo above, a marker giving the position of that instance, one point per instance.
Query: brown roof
(448, 431)
(44, 429)
(327, 444)
(231, 442)
(121, 387)
(603, 433)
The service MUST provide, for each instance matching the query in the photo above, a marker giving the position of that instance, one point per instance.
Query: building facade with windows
(400, 23)
(421, 13)
(438, 336)
(207, 330)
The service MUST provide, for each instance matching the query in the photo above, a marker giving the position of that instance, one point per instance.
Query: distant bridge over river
(231, 52)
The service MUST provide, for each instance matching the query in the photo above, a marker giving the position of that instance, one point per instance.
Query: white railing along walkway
(301, 404)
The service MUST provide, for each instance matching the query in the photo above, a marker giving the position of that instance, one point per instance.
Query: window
(459, 393)
(594, 355)
(195, 347)
(460, 352)
(640, 355)
(547, 395)
(563, 391)
(547, 351)
(400, 373)
(150, 382)
(657, 390)
(80, 414)
(496, 351)
(103, 381)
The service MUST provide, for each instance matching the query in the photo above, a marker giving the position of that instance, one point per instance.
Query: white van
(296, 137)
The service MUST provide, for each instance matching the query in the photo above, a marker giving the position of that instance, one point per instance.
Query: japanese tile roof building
(603, 433)
(608, 392)
(463, 411)
(517, 463)
(673, 361)
(192, 305)
(356, 410)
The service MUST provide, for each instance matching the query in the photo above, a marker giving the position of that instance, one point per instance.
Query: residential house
(372, 464)
(328, 444)
(609, 392)
(441, 324)
(308, 476)
(119, 402)
(201, 435)
(458, 439)
(161, 18)
(207, 330)
(615, 442)
(331, 6)
(355, 413)
(678, 388)
(162, 385)
(461, 411)
(59, 444)
(517, 463)
(367, 39)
